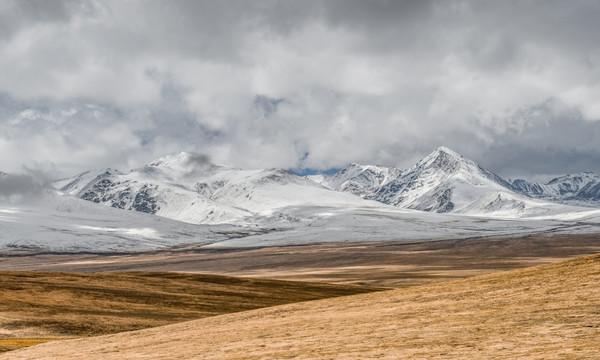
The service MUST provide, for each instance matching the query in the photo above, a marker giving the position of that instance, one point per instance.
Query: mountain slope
(358, 179)
(578, 189)
(61, 223)
(289, 211)
(82, 181)
(66, 224)
(187, 187)
(445, 181)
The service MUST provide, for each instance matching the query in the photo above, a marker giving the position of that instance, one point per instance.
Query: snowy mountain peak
(183, 167)
(445, 181)
(443, 149)
(188, 187)
(445, 159)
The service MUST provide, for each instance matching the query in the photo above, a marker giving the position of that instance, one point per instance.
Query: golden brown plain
(546, 312)
(40, 306)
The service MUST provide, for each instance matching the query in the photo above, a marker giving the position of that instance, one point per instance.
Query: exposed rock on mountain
(577, 189)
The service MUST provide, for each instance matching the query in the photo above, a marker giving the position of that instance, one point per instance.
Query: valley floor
(390, 264)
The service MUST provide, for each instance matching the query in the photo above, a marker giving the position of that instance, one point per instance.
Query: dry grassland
(9, 344)
(546, 312)
(387, 264)
(36, 307)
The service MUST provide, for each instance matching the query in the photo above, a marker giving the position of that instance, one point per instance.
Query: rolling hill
(544, 312)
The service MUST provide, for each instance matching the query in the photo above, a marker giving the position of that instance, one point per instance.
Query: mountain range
(184, 201)
(189, 188)
(445, 181)
(581, 189)
(186, 187)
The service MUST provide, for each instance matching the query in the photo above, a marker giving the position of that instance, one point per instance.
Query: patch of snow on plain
(145, 232)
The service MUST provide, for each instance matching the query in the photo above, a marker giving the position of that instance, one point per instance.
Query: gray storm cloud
(17, 184)
(25, 187)
(89, 84)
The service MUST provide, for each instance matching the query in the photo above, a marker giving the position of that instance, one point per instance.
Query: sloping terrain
(42, 305)
(273, 207)
(431, 184)
(442, 182)
(358, 179)
(445, 181)
(578, 189)
(187, 187)
(546, 312)
(66, 224)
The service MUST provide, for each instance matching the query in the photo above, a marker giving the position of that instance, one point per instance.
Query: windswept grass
(39, 306)
(545, 312)
(9, 344)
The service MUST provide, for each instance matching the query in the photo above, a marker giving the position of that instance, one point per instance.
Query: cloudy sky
(514, 85)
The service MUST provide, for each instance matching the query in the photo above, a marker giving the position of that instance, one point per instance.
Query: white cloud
(348, 81)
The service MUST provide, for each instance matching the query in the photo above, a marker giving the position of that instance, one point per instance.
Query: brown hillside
(546, 312)
(37, 306)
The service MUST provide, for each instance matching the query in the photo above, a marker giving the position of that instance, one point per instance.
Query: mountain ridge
(270, 207)
(581, 189)
(358, 179)
(188, 187)
(445, 181)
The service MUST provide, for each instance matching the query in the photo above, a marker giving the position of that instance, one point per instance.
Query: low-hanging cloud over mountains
(300, 84)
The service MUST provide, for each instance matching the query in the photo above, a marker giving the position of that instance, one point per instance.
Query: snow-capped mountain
(62, 223)
(578, 189)
(189, 188)
(77, 183)
(357, 179)
(66, 224)
(273, 207)
(443, 181)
